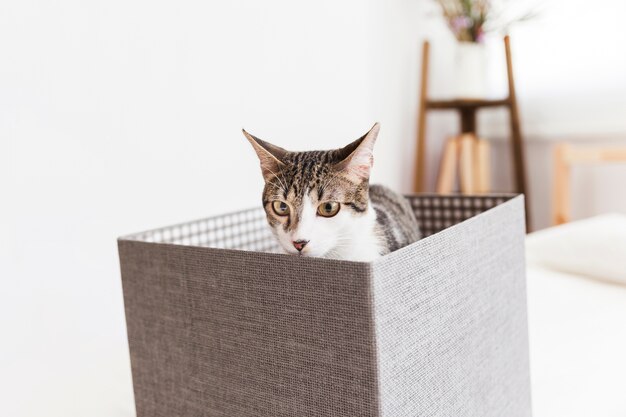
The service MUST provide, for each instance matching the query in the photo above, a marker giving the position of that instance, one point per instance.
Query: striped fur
(371, 221)
(395, 219)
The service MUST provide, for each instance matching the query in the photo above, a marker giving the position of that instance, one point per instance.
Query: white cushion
(594, 247)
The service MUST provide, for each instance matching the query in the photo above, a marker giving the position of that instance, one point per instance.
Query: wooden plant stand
(467, 109)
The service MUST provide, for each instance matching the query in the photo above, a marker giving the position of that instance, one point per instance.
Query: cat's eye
(280, 207)
(328, 209)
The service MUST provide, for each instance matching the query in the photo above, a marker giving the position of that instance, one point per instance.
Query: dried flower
(470, 20)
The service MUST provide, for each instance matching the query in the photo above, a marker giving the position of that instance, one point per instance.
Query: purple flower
(480, 35)
(460, 23)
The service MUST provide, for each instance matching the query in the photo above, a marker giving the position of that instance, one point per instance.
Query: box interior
(248, 229)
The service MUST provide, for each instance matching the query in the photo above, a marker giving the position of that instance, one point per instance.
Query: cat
(320, 203)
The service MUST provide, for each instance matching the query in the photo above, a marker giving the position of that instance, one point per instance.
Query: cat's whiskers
(279, 178)
(341, 241)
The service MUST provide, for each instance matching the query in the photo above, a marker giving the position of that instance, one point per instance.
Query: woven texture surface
(435, 329)
(244, 334)
(451, 325)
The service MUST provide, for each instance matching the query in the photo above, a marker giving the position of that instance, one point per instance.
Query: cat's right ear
(269, 155)
(357, 158)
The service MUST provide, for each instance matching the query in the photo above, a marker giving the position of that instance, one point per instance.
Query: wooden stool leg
(447, 169)
(561, 185)
(420, 158)
(466, 163)
(483, 166)
(516, 134)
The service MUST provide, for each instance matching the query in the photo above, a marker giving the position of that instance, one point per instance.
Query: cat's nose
(300, 244)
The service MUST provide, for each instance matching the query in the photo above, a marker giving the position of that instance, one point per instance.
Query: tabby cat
(320, 203)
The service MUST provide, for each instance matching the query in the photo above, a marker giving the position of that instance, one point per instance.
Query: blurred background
(119, 116)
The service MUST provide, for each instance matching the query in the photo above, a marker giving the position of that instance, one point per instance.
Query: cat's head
(316, 201)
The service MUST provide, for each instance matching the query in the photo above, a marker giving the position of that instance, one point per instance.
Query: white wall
(120, 116)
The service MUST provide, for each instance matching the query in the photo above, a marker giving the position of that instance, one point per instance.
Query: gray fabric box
(220, 326)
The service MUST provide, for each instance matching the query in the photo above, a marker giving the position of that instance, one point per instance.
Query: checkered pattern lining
(435, 212)
(248, 229)
(243, 230)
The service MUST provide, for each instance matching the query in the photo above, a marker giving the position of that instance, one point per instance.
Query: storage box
(219, 326)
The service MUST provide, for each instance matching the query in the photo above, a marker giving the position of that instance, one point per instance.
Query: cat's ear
(357, 158)
(269, 155)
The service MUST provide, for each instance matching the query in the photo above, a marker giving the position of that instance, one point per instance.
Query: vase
(471, 70)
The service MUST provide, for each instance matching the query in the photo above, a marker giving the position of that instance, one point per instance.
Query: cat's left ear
(358, 157)
(269, 155)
